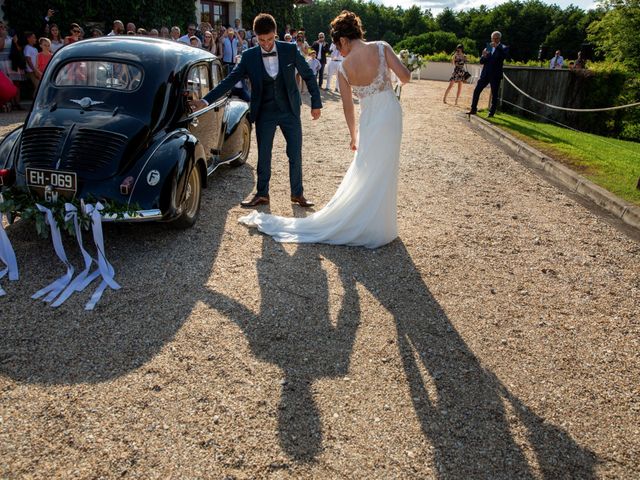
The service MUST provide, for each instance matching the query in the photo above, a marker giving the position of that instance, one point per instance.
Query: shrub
(432, 42)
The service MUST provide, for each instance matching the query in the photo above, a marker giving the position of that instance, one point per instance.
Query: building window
(214, 13)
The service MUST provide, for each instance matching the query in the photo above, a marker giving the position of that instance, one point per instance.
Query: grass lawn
(613, 164)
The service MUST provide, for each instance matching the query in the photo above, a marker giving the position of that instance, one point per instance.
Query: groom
(275, 102)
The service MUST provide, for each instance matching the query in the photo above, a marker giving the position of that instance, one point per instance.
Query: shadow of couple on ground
(466, 422)
(460, 406)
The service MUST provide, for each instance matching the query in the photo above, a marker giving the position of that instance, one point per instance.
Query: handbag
(466, 76)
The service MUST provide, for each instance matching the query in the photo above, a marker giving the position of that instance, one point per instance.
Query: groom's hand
(315, 113)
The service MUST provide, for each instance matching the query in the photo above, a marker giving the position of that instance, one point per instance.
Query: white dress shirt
(270, 63)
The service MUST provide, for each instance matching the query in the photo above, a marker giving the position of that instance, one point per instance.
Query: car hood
(95, 144)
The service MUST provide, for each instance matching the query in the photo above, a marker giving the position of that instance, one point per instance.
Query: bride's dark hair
(346, 25)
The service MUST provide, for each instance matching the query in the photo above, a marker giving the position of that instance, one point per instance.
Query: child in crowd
(42, 60)
(314, 65)
(31, 58)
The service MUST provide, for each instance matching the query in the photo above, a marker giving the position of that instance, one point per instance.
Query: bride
(363, 209)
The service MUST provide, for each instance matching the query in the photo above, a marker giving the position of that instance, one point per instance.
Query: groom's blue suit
(275, 102)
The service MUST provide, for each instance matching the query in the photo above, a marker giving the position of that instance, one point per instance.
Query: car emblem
(86, 102)
(153, 177)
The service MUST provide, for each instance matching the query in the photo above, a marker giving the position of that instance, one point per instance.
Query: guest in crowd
(74, 34)
(301, 43)
(194, 41)
(31, 59)
(117, 28)
(581, 62)
(154, 33)
(230, 45)
(557, 61)
(191, 32)
(131, 27)
(459, 59)
(164, 33)
(209, 43)
(322, 49)
(334, 64)
(142, 32)
(175, 34)
(492, 60)
(314, 65)
(44, 56)
(96, 33)
(54, 35)
(6, 68)
(242, 41)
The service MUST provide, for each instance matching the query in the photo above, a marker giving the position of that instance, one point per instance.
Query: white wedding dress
(363, 209)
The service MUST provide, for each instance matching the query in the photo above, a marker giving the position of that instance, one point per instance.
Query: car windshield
(99, 74)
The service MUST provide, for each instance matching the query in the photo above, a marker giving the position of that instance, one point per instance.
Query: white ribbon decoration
(84, 278)
(7, 255)
(57, 287)
(104, 267)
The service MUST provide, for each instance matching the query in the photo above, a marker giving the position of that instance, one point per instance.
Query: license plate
(52, 184)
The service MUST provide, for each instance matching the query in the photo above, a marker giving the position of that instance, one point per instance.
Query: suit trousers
(290, 125)
(321, 74)
(495, 88)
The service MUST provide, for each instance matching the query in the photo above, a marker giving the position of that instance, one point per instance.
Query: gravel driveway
(497, 337)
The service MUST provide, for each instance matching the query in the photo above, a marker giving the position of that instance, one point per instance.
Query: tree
(616, 35)
(282, 10)
(447, 21)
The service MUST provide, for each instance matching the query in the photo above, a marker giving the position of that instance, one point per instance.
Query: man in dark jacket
(275, 102)
(322, 50)
(492, 60)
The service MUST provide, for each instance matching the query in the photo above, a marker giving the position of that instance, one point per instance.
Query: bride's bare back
(362, 66)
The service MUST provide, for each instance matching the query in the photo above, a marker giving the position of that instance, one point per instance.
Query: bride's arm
(348, 109)
(395, 64)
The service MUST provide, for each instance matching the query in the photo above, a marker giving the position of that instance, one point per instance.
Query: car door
(206, 124)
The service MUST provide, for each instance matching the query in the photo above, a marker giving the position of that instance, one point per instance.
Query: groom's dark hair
(264, 24)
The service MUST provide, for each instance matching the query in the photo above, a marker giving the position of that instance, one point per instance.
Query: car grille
(39, 146)
(93, 150)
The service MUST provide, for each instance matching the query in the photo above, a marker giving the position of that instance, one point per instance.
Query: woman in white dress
(363, 209)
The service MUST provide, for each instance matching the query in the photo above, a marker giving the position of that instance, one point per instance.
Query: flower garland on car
(74, 216)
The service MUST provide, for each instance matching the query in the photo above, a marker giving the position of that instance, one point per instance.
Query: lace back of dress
(380, 83)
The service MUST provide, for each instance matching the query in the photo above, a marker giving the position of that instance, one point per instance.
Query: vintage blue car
(111, 121)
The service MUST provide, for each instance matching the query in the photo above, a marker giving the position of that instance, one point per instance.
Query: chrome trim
(139, 216)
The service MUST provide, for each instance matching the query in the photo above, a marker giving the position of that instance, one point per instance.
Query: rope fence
(605, 109)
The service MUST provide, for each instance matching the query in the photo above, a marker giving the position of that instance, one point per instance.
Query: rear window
(99, 74)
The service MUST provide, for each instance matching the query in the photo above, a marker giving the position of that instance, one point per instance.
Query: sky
(437, 6)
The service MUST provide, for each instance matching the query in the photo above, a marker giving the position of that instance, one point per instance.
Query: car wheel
(245, 132)
(191, 204)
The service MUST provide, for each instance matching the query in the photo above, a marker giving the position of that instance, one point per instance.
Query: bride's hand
(353, 145)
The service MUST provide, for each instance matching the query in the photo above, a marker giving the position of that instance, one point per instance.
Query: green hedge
(434, 42)
(144, 13)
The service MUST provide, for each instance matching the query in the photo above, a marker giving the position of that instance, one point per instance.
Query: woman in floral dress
(458, 60)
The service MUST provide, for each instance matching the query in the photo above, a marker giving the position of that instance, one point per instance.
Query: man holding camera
(492, 61)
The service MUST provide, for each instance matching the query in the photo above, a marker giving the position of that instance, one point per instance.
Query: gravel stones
(496, 338)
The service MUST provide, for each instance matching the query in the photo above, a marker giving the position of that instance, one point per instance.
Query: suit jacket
(322, 56)
(493, 63)
(252, 66)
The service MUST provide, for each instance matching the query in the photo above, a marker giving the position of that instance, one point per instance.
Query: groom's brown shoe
(255, 201)
(300, 200)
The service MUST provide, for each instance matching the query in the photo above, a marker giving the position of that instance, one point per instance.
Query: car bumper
(138, 216)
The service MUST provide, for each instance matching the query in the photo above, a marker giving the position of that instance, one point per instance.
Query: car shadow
(461, 406)
(68, 345)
